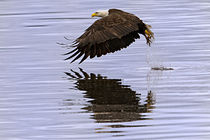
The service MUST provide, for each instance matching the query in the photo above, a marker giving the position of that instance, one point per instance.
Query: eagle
(114, 31)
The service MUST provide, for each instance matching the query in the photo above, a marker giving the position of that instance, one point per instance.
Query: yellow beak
(94, 14)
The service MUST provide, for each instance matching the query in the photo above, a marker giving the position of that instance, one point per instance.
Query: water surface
(116, 96)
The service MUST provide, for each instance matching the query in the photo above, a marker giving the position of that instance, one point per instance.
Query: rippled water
(116, 96)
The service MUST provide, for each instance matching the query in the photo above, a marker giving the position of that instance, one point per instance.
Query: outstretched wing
(106, 35)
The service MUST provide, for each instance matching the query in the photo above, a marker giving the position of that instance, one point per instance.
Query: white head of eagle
(100, 13)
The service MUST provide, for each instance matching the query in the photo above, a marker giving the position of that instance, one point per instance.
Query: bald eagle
(114, 31)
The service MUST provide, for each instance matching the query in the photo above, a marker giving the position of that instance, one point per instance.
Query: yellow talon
(147, 33)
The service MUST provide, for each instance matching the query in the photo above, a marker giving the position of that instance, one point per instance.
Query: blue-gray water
(116, 96)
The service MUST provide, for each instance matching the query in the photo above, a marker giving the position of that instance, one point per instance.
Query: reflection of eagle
(115, 30)
(112, 101)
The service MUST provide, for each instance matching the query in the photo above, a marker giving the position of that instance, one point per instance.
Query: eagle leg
(149, 35)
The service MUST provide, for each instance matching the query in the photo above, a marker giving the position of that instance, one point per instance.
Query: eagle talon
(149, 35)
